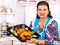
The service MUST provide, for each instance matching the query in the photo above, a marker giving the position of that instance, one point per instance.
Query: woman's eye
(44, 9)
(39, 9)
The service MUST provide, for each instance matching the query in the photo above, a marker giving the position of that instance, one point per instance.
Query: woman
(44, 25)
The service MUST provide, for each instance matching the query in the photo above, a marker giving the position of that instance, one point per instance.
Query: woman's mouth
(41, 14)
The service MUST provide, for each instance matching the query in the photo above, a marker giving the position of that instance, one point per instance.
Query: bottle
(4, 26)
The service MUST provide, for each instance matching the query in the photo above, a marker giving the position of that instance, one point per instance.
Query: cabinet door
(6, 43)
(0, 43)
(23, 43)
(9, 42)
(16, 42)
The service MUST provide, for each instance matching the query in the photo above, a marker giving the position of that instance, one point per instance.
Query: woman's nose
(42, 11)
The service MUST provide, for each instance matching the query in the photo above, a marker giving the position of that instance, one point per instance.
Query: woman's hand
(56, 38)
(41, 42)
(33, 40)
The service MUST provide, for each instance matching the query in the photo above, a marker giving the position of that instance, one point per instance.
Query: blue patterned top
(50, 30)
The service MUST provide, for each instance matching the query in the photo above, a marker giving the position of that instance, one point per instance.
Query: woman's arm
(52, 32)
(36, 41)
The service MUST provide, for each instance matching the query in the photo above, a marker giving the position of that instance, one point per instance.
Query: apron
(43, 33)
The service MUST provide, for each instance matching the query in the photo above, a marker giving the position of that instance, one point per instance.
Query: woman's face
(42, 11)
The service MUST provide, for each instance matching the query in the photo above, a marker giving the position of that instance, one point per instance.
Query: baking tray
(22, 32)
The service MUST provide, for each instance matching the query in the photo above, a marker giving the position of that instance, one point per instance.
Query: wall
(30, 11)
(25, 13)
(14, 18)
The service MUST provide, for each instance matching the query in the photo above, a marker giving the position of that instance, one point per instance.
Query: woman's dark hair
(44, 3)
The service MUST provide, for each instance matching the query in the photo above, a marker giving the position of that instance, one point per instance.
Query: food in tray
(23, 32)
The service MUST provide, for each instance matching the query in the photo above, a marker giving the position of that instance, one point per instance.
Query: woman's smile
(42, 14)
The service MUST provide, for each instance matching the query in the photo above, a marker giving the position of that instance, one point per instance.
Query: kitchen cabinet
(7, 13)
(17, 42)
(9, 42)
(25, 9)
(7, 9)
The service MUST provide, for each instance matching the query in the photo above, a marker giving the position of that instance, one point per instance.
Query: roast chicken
(24, 33)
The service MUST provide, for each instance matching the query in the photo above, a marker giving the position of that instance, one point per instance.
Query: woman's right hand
(33, 40)
(41, 42)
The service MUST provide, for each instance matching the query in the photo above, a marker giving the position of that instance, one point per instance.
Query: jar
(4, 25)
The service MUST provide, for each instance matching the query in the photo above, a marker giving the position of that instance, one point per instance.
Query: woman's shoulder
(54, 22)
(34, 22)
